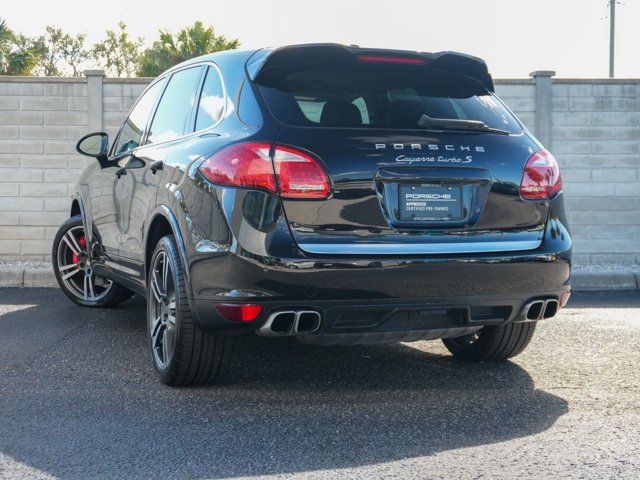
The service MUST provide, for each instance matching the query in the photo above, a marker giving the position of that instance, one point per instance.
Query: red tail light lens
(541, 179)
(241, 165)
(299, 174)
(291, 172)
(239, 313)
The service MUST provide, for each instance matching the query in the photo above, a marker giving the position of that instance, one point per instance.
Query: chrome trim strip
(418, 248)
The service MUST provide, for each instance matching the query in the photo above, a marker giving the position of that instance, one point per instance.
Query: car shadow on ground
(78, 399)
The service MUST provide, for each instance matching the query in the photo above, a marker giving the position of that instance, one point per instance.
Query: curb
(580, 280)
(27, 277)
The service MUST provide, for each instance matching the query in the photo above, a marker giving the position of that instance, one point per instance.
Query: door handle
(120, 172)
(155, 166)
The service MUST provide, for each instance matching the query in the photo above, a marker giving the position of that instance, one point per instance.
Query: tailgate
(416, 193)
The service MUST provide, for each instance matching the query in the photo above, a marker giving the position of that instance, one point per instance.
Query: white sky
(515, 37)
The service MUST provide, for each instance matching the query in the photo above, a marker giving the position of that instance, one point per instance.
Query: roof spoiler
(453, 62)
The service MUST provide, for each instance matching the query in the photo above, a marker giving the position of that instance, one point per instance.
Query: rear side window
(376, 95)
(211, 104)
(174, 110)
(131, 132)
(248, 108)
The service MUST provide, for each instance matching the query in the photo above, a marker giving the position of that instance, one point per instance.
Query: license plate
(430, 203)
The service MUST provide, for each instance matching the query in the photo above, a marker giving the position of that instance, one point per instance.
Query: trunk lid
(384, 184)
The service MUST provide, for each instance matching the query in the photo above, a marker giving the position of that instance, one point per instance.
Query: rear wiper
(455, 124)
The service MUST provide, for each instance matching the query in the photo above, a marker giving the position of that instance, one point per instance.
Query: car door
(106, 191)
(104, 207)
(170, 122)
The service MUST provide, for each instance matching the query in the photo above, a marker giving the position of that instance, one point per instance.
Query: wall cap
(542, 73)
(94, 73)
(25, 79)
(140, 80)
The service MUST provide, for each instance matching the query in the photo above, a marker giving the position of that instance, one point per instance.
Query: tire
(183, 354)
(492, 344)
(74, 273)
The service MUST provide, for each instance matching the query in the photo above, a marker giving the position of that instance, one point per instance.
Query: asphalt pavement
(79, 400)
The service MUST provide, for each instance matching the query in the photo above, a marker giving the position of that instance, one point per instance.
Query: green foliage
(58, 53)
(170, 49)
(19, 55)
(74, 53)
(118, 52)
(49, 46)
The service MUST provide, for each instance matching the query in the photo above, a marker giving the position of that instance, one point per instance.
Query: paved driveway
(78, 400)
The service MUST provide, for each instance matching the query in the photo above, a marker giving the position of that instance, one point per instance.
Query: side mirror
(94, 145)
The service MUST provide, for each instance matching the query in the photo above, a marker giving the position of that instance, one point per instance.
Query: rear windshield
(376, 95)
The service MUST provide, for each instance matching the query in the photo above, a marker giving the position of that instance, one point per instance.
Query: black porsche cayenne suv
(337, 194)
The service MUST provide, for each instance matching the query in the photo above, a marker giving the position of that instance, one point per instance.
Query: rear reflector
(238, 313)
(289, 172)
(541, 179)
(388, 59)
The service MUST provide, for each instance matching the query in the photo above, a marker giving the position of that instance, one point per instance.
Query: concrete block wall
(592, 127)
(595, 135)
(41, 120)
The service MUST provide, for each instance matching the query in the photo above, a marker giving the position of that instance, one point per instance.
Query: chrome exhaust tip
(540, 309)
(290, 322)
(534, 310)
(278, 324)
(307, 321)
(551, 308)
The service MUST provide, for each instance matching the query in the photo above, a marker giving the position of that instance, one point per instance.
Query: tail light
(289, 172)
(541, 179)
(300, 175)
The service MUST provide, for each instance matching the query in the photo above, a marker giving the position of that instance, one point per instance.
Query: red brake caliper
(82, 241)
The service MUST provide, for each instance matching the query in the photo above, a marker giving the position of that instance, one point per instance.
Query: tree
(49, 46)
(118, 52)
(59, 51)
(18, 54)
(74, 52)
(190, 42)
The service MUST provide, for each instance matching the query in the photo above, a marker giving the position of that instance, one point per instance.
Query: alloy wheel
(76, 268)
(162, 310)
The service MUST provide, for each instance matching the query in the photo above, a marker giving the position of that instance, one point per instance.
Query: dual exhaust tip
(541, 309)
(300, 322)
(290, 322)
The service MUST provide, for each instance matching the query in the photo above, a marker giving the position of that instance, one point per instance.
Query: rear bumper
(335, 287)
(405, 318)
(285, 276)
